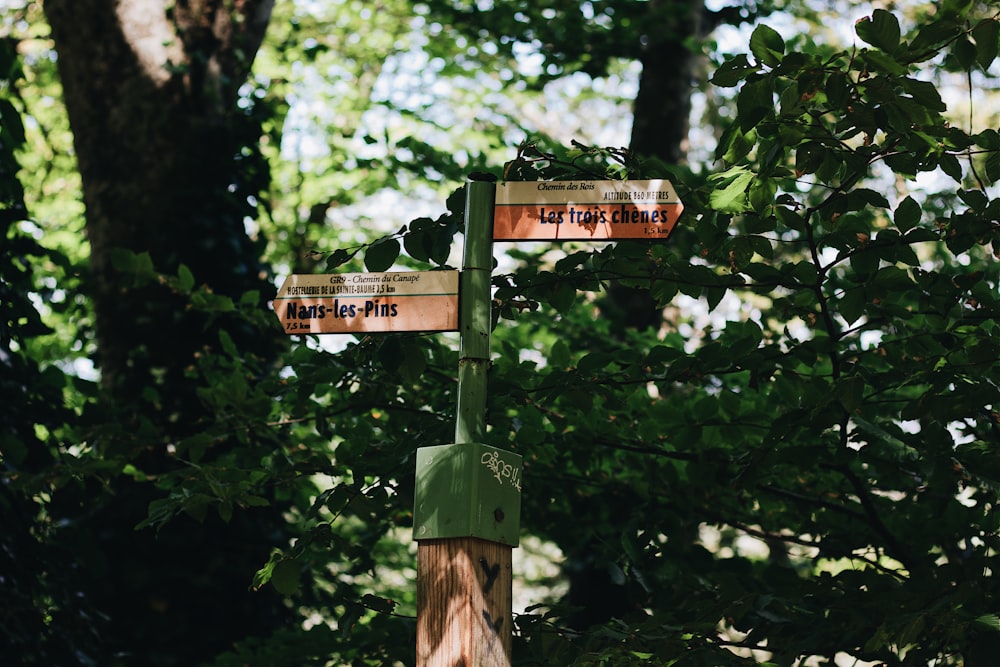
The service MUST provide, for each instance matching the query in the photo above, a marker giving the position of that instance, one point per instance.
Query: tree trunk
(660, 125)
(169, 167)
(662, 109)
(151, 89)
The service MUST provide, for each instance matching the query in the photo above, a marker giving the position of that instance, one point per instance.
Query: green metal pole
(468, 488)
(474, 312)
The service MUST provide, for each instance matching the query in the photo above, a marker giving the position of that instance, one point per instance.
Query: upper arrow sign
(585, 210)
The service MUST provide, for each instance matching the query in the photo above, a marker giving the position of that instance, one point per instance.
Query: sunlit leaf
(767, 45)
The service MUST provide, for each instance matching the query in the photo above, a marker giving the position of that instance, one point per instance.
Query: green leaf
(263, 575)
(860, 198)
(993, 167)
(809, 157)
(735, 144)
(664, 292)
(414, 363)
(285, 576)
(837, 89)
(12, 124)
(250, 299)
(881, 30)
(924, 92)
(989, 139)
(974, 199)
(228, 346)
(561, 296)
(964, 52)
(907, 214)
(209, 302)
(879, 61)
(378, 604)
(731, 72)
(380, 256)
(559, 356)
(714, 296)
(933, 35)
(950, 165)
(850, 392)
(730, 195)
(767, 45)
(338, 258)
(762, 193)
(391, 354)
(754, 102)
(137, 265)
(185, 279)
(991, 621)
(986, 34)
(955, 8)
(790, 218)
(852, 304)
(417, 245)
(12, 448)
(347, 622)
(594, 362)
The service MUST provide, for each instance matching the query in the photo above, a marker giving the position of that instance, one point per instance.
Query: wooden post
(463, 603)
(464, 583)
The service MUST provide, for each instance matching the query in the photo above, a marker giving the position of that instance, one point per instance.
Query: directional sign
(368, 302)
(585, 210)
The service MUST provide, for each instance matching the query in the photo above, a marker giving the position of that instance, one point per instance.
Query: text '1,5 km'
(368, 302)
(585, 210)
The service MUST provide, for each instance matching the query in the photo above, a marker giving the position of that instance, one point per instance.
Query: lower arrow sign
(368, 302)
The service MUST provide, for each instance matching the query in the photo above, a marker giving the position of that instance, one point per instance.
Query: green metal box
(467, 490)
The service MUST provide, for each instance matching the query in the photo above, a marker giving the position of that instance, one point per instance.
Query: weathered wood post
(467, 507)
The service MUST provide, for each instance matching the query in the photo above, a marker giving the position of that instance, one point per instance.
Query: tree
(797, 466)
(168, 158)
(665, 37)
(804, 477)
(165, 153)
(813, 420)
(807, 477)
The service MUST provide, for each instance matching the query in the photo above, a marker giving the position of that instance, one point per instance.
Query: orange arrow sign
(368, 302)
(585, 210)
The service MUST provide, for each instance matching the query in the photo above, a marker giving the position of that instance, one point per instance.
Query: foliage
(836, 417)
(571, 37)
(82, 478)
(44, 620)
(797, 463)
(808, 476)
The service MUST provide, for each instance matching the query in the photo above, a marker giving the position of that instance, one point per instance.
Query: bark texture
(662, 109)
(150, 87)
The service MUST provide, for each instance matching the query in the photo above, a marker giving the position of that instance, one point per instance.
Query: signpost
(368, 302)
(467, 509)
(585, 210)
(467, 505)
